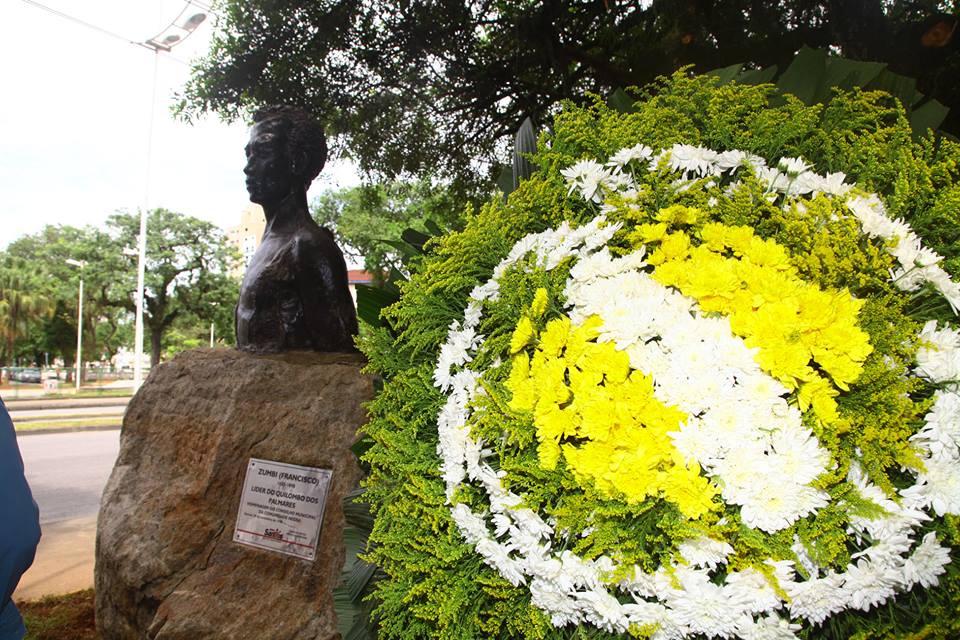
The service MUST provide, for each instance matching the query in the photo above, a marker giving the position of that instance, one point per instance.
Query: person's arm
(19, 526)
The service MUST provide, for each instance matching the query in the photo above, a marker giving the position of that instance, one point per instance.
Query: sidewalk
(26, 391)
(64, 561)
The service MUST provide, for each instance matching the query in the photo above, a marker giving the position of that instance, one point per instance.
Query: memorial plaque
(281, 507)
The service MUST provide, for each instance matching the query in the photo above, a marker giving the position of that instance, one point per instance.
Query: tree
(370, 220)
(185, 282)
(106, 277)
(186, 273)
(434, 86)
(23, 303)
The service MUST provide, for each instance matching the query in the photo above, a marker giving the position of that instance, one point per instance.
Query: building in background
(355, 277)
(245, 237)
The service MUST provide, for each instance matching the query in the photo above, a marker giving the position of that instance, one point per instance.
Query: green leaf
(370, 301)
(415, 238)
(393, 278)
(433, 227)
(805, 75)
(726, 74)
(361, 446)
(928, 116)
(901, 87)
(355, 582)
(758, 76)
(405, 249)
(524, 145)
(847, 74)
(505, 181)
(621, 101)
(356, 513)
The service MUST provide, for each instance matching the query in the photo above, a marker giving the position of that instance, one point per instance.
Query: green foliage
(40, 261)
(186, 274)
(186, 287)
(439, 86)
(436, 586)
(370, 221)
(23, 302)
(814, 75)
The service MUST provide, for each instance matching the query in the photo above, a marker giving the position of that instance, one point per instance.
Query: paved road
(67, 471)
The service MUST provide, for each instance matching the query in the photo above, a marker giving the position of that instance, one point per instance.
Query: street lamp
(80, 264)
(175, 33)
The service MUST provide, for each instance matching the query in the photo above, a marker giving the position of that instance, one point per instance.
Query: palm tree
(22, 302)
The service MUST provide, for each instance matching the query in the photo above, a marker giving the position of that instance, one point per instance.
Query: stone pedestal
(167, 566)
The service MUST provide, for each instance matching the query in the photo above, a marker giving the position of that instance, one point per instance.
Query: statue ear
(298, 163)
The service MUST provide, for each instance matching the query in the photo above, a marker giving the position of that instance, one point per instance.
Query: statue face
(269, 175)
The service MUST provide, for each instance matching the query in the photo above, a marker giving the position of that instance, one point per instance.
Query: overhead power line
(102, 30)
(84, 23)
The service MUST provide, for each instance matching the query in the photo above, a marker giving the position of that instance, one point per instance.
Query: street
(67, 471)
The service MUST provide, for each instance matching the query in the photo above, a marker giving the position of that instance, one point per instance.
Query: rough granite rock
(167, 566)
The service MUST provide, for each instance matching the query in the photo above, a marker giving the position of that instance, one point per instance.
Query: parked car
(29, 374)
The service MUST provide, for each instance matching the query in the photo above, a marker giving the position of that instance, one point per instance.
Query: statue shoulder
(315, 247)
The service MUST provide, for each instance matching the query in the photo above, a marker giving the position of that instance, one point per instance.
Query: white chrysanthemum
(498, 557)
(939, 359)
(774, 179)
(776, 504)
(546, 596)
(705, 552)
(623, 157)
(816, 599)
(750, 591)
(589, 177)
(692, 160)
(866, 584)
(602, 609)
(938, 486)
(797, 456)
(928, 561)
(701, 606)
(733, 160)
(793, 166)
(770, 627)
(833, 184)
(940, 435)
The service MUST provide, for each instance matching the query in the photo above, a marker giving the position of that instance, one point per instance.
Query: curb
(31, 405)
(40, 432)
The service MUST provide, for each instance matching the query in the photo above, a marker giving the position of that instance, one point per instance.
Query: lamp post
(175, 33)
(80, 264)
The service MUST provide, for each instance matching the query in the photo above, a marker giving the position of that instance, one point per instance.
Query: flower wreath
(665, 362)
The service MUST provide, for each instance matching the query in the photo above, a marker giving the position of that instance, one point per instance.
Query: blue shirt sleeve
(19, 527)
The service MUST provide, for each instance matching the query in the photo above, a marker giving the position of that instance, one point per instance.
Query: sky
(76, 113)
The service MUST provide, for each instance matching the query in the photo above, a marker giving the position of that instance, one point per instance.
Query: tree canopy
(434, 86)
(186, 273)
(186, 287)
(369, 221)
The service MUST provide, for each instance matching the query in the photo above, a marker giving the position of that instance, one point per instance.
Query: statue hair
(305, 137)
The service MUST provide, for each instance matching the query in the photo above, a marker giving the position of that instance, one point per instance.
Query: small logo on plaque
(281, 507)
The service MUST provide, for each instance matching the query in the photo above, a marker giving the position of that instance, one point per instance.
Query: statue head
(287, 150)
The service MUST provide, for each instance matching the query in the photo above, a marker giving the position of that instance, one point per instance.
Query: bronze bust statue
(294, 294)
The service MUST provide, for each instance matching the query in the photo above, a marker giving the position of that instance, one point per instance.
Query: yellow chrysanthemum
(589, 407)
(797, 328)
(522, 335)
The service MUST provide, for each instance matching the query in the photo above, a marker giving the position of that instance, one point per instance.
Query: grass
(67, 617)
(40, 425)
